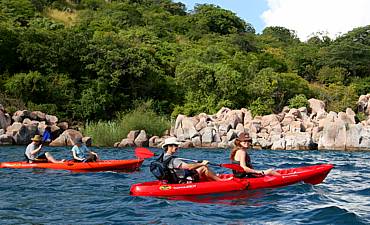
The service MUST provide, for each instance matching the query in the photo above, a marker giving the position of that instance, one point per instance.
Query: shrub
(261, 107)
(104, 133)
(298, 101)
(141, 119)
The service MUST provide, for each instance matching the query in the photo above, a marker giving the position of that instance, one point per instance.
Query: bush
(141, 118)
(104, 133)
(261, 107)
(148, 120)
(298, 101)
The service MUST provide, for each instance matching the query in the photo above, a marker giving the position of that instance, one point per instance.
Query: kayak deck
(308, 174)
(102, 165)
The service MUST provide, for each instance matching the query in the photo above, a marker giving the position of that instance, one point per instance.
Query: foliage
(329, 75)
(298, 101)
(144, 118)
(261, 106)
(337, 97)
(87, 60)
(104, 133)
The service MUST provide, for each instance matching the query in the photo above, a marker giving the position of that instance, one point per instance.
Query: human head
(78, 141)
(170, 142)
(36, 138)
(243, 137)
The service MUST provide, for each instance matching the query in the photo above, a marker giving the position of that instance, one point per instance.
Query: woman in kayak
(33, 152)
(81, 153)
(240, 156)
(192, 172)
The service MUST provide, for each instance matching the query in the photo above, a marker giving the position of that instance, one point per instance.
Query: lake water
(63, 197)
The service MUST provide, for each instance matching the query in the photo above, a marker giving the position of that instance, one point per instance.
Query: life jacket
(160, 169)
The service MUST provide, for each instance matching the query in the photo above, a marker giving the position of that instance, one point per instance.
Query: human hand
(205, 162)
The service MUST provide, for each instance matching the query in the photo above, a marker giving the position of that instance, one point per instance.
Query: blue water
(63, 197)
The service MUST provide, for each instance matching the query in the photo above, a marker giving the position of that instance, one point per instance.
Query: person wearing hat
(192, 172)
(240, 156)
(33, 152)
(81, 153)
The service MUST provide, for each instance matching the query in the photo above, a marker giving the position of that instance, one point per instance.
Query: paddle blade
(235, 167)
(143, 153)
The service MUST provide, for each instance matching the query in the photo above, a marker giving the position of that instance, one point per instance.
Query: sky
(305, 17)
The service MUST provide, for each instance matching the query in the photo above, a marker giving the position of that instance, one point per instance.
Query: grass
(67, 18)
(108, 133)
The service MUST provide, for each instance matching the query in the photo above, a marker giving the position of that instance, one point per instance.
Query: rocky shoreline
(292, 129)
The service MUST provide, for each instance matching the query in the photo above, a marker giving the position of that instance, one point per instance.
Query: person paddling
(33, 152)
(182, 170)
(240, 156)
(81, 153)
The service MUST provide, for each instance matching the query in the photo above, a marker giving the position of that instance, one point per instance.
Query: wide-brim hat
(170, 141)
(244, 137)
(36, 138)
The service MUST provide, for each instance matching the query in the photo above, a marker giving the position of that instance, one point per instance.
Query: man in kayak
(81, 153)
(240, 156)
(33, 152)
(182, 170)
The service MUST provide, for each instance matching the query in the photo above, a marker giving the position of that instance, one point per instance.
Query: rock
(126, 143)
(142, 139)
(298, 141)
(207, 136)
(6, 139)
(51, 120)
(5, 120)
(132, 135)
(66, 138)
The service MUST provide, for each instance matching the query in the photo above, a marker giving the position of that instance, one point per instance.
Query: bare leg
(51, 158)
(272, 172)
(204, 171)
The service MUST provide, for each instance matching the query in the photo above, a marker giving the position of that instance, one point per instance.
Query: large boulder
(66, 138)
(142, 139)
(5, 120)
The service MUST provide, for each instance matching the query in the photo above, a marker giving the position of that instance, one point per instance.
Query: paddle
(144, 153)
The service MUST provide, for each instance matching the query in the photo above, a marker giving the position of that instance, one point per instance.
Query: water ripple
(63, 197)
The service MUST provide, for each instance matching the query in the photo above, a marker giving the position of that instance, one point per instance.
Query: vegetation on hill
(91, 60)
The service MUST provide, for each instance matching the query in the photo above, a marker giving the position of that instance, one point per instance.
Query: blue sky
(249, 10)
(305, 17)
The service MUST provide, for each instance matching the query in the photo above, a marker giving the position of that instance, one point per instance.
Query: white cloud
(310, 16)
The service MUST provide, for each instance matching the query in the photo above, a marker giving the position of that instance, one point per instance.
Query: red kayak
(102, 165)
(308, 174)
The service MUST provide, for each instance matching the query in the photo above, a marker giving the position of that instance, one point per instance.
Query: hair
(237, 147)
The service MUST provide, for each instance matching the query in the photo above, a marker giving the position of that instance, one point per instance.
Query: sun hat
(78, 140)
(244, 137)
(170, 141)
(36, 138)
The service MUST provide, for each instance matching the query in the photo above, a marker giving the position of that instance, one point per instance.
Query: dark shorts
(191, 176)
(39, 159)
(90, 158)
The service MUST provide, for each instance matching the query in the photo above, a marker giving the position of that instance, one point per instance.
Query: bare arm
(193, 166)
(244, 166)
(34, 152)
(75, 156)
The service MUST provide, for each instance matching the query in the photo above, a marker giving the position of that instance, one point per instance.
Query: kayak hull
(308, 174)
(102, 165)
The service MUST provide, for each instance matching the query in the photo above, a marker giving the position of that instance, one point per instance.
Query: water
(63, 197)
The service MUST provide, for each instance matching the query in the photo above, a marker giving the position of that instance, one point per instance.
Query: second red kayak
(308, 174)
(102, 165)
